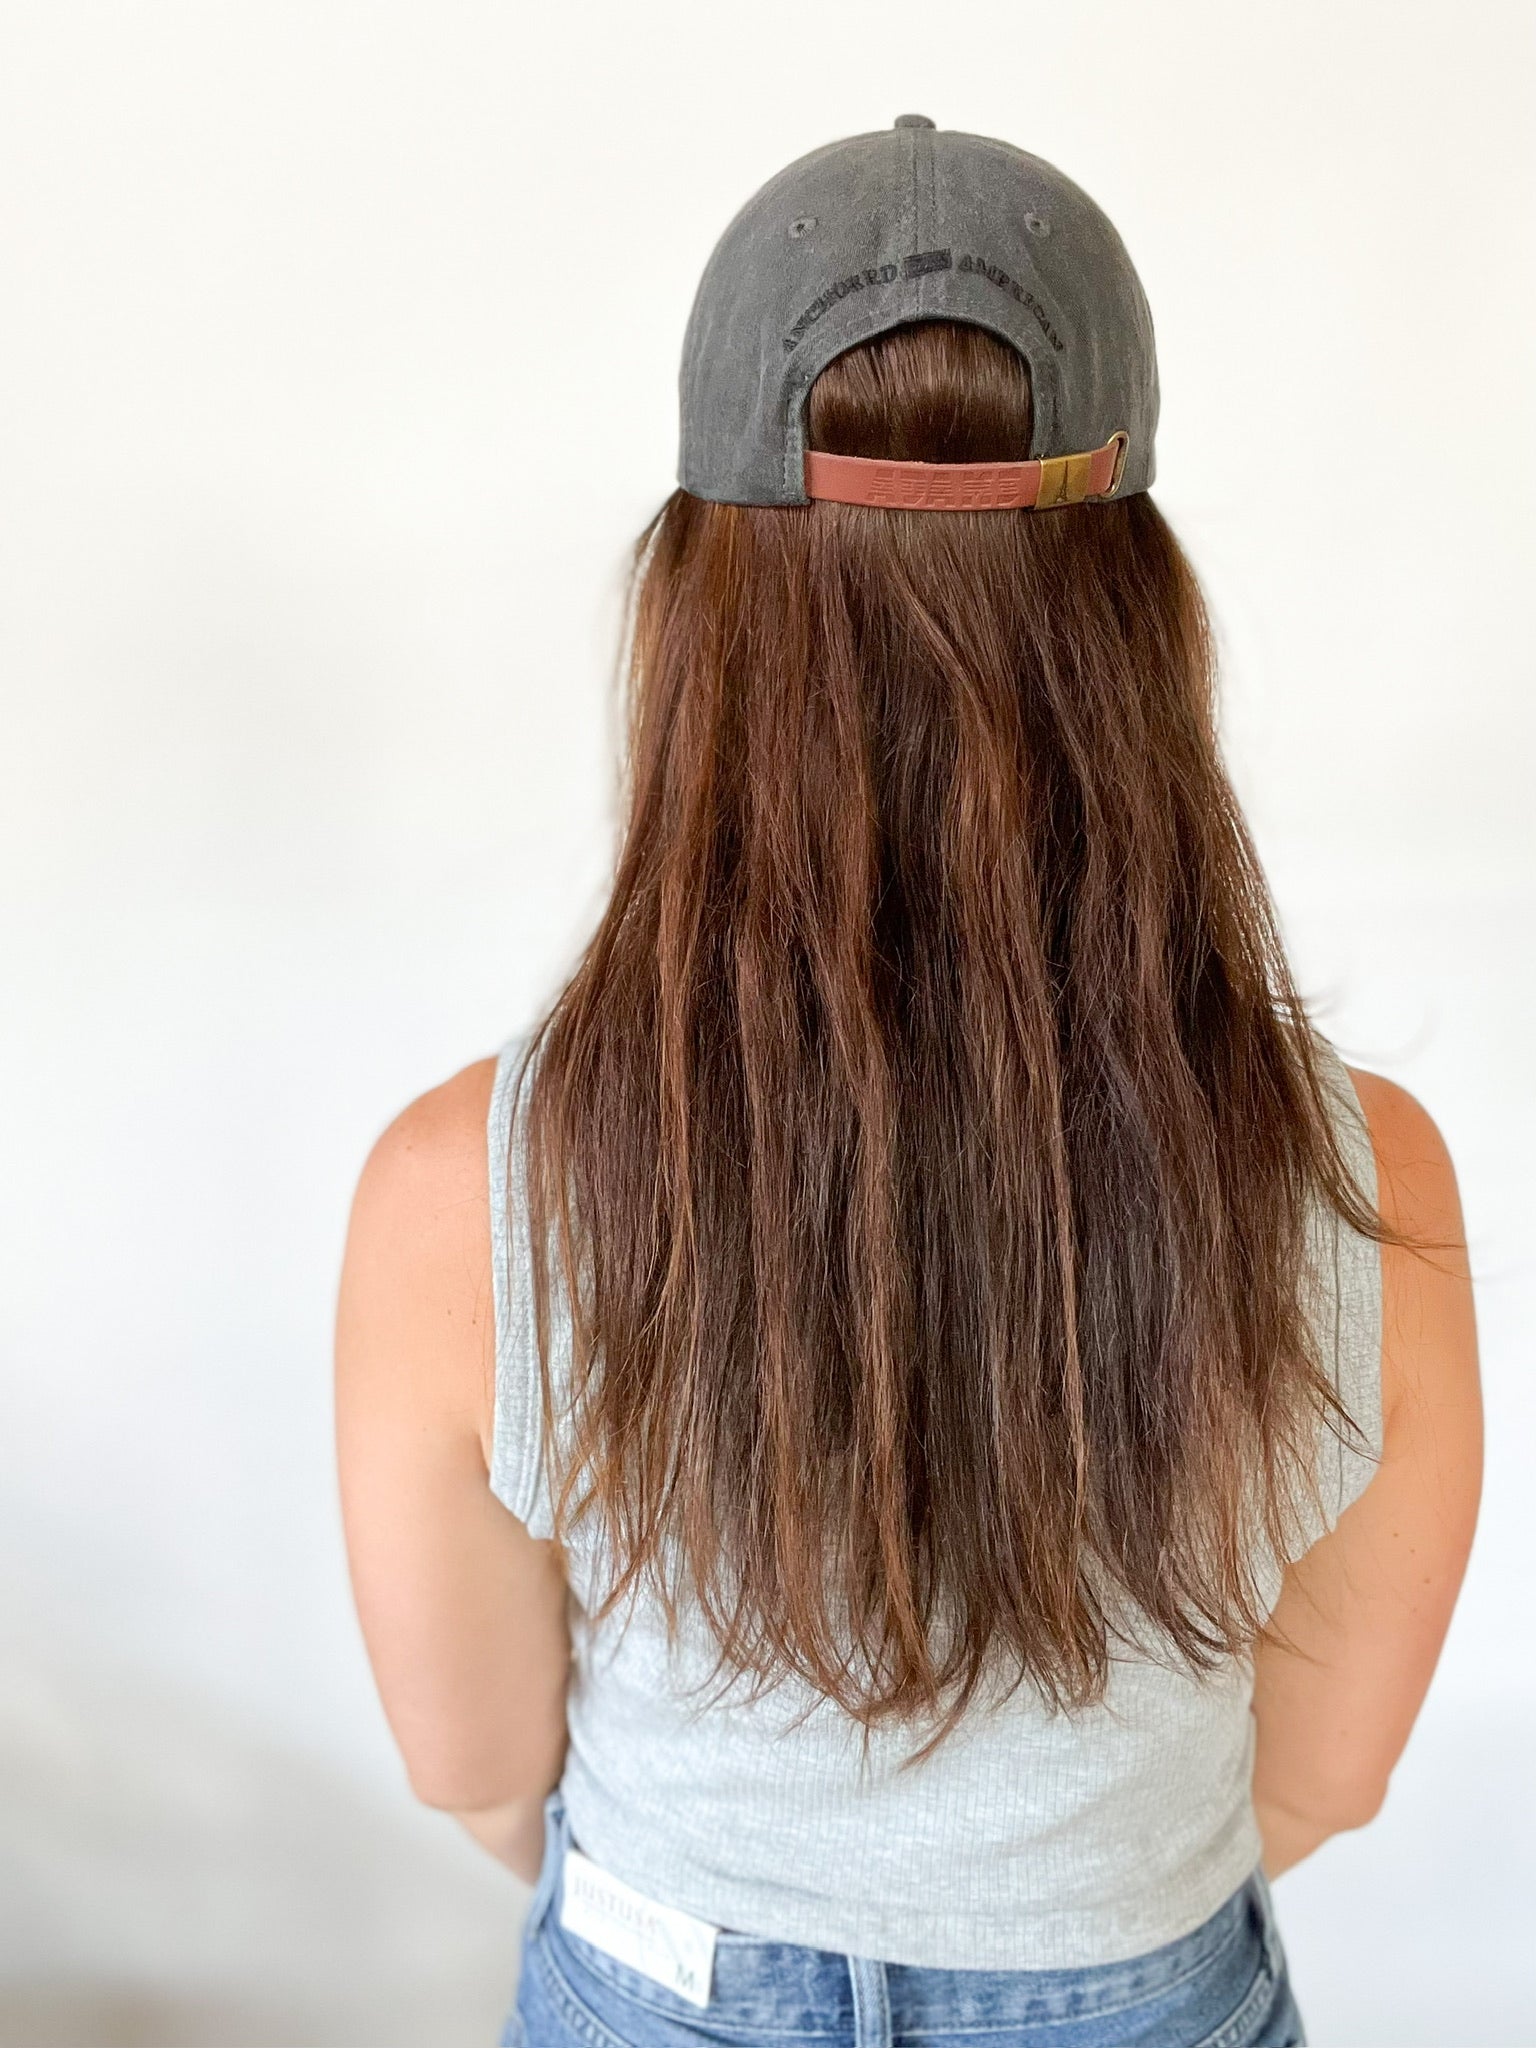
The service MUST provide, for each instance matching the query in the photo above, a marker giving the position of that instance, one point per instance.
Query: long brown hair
(926, 1138)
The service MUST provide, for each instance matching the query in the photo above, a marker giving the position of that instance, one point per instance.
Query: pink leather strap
(966, 486)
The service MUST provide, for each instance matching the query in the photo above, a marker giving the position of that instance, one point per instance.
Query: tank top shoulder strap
(518, 1476)
(1344, 1286)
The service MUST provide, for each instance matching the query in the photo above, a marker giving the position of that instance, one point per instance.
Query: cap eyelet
(800, 227)
(1036, 225)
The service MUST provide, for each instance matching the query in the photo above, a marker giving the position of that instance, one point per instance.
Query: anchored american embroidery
(884, 273)
(1011, 285)
(918, 265)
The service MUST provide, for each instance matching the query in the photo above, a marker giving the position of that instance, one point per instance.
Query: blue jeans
(1223, 1986)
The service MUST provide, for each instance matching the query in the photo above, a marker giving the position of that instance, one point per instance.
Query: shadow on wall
(168, 1879)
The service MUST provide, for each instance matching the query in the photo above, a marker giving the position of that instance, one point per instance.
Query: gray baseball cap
(913, 223)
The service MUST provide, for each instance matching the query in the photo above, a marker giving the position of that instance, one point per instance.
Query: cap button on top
(913, 121)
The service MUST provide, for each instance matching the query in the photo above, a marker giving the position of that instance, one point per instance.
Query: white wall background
(338, 347)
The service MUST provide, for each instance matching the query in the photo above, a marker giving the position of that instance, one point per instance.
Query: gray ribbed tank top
(1027, 1840)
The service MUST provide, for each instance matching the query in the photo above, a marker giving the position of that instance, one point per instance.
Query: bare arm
(1367, 1608)
(462, 1611)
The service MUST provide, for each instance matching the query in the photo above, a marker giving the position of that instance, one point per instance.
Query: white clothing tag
(658, 1941)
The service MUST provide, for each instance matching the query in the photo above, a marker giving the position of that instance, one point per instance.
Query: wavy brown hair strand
(927, 1137)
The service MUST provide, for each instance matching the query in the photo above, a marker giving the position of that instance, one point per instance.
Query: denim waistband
(766, 1987)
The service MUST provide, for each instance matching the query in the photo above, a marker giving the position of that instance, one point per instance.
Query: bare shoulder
(1429, 1352)
(416, 1283)
(1413, 1162)
(433, 1153)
